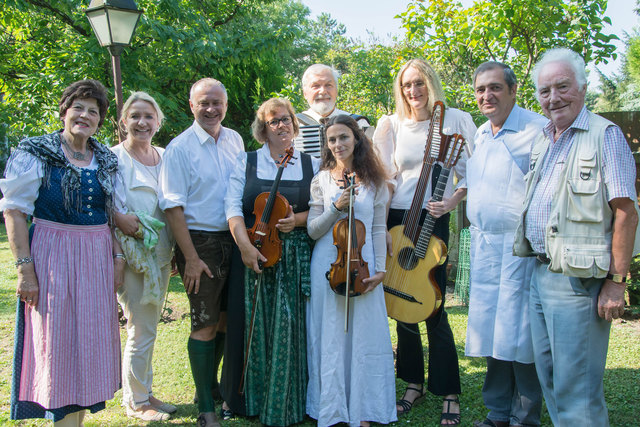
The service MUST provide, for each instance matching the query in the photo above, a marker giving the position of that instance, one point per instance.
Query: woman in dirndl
(67, 346)
(275, 383)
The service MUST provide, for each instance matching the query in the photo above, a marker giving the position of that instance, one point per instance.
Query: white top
(195, 175)
(401, 144)
(23, 178)
(266, 169)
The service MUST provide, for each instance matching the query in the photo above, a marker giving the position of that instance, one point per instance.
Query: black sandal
(405, 404)
(448, 415)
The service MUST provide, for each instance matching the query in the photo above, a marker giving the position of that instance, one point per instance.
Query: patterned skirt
(276, 379)
(67, 349)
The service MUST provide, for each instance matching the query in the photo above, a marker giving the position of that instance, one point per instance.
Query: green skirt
(276, 379)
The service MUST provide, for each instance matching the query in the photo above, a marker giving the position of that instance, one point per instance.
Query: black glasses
(273, 124)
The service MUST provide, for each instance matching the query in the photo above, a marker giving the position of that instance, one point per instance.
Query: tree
(246, 44)
(457, 39)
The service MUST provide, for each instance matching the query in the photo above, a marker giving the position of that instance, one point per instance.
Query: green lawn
(173, 378)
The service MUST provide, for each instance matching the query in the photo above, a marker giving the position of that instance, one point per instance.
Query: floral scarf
(48, 149)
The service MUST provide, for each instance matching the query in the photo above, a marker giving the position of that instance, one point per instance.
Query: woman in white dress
(141, 300)
(351, 378)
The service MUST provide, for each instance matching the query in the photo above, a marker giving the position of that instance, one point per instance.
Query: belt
(543, 259)
(210, 233)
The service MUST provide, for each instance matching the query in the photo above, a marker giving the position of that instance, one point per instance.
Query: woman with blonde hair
(400, 140)
(276, 373)
(146, 276)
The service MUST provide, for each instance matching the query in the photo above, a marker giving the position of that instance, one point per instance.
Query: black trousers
(444, 373)
(235, 340)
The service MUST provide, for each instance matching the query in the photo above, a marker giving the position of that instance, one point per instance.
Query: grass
(173, 381)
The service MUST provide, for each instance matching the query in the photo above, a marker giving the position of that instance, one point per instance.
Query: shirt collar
(510, 124)
(202, 135)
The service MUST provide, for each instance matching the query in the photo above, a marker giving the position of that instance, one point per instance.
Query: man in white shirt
(193, 181)
(320, 89)
(498, 325)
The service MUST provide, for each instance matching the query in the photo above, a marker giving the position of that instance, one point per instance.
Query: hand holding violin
(288, 223)
(343, 201)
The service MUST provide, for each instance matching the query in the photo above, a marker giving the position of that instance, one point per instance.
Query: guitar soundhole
(407, 258)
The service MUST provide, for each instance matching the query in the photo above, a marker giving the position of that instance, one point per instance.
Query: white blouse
(23, 178)
(401, 144)
(266, 169)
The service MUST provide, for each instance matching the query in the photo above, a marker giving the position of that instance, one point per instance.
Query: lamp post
(113, 22)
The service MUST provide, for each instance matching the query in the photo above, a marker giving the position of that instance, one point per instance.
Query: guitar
(411, 292)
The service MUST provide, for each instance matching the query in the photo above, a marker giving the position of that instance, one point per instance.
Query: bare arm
(118, 263)
(625, 221)
(251, 256)
(194, 266)
(127, 223)
(18, 234)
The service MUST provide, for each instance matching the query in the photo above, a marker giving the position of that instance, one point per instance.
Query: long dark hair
(366, 164)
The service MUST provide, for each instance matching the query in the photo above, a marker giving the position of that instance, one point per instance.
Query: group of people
(551, 247)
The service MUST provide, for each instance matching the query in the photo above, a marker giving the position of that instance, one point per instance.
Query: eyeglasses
(407, 86)
(273, 124)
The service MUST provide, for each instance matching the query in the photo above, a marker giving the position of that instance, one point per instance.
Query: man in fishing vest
(193, 180)
(320, 89)
(498, 324)
(580, 222)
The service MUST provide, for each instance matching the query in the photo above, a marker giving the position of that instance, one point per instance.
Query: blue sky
(377, 16)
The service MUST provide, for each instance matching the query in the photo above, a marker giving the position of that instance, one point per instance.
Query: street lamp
(113, 22)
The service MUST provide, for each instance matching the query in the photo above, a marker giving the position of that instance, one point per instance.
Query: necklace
(151, 170)
(77, 155)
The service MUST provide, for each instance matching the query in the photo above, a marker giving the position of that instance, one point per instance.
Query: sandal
(448, 415)
(406, 405)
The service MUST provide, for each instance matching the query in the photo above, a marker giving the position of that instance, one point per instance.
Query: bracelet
(25, 260)
(121, 256)
(334, 208)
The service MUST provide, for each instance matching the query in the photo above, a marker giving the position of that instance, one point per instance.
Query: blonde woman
(400, 141)
(142, 295)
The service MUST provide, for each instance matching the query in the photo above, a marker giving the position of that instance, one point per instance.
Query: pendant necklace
(151, 170)
(77, 155)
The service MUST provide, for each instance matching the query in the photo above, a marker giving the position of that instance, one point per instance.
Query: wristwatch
(617, 278)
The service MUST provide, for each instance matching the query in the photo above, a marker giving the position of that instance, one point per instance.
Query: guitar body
(411, 292)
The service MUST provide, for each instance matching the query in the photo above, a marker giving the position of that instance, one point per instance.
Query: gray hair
(317, 69)
(509, 75)
(561, 54)
(207, 82)
(142, 96)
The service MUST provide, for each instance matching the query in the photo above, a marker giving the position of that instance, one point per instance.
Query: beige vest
(578, 234)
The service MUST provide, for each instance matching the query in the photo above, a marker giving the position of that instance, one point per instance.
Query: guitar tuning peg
(291, 163)
(294, 158)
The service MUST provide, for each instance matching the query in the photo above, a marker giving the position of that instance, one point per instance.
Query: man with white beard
(320, 89)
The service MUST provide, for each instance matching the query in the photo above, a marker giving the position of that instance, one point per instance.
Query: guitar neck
(429, 222)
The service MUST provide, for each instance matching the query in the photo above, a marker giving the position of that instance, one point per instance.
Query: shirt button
(88, 174)
(90, 197)
(90, 213)
(88, 206)
(91, 190)
(89, 181)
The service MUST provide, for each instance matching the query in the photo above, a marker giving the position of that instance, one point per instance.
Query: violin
(347, 272)
(268, 209)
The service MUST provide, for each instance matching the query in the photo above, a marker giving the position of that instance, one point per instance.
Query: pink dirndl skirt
(71, 350)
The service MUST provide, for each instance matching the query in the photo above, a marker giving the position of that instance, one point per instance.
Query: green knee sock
(219, 340)
(201, 356)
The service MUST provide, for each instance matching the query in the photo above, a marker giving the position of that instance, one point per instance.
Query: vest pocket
(586, 261)
(585, 203)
